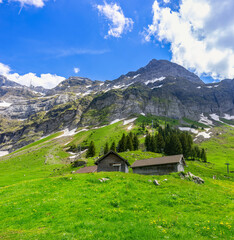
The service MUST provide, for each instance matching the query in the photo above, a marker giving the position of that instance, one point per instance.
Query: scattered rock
(156, 182)
(214, 177)
(103, 179)
(165, 180)
(149, 180)
(192, 177)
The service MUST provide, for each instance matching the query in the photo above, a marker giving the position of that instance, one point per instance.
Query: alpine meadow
(116, 120)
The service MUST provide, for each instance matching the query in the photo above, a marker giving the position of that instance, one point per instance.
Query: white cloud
(36, 3)
(119, 23)
(200, 34)
(166, 1)
(45, 80)
(76, 70)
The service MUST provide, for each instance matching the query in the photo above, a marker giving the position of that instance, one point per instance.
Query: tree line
(166, 140)
(172, 142)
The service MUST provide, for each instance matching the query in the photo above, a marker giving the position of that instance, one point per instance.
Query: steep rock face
(163, 98)
(44, 123)
(160, 88)
(25, 108)
(156, 69)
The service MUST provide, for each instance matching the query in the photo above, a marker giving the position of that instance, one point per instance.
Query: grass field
(41, 199)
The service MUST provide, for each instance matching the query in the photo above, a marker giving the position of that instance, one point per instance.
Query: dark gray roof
(90, 169)
(158, 161)
(111, 152)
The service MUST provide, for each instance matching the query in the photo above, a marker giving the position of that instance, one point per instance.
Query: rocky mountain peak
(4, 82)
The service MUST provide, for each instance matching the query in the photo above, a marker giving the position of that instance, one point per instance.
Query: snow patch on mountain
(129, 121)
(136, 76)
(5, 104)
(204, 134)
(116, 120)
(154, 80)
(3, 153)
(188, 129)
(228, 117)
(205, 120)
(157, 86)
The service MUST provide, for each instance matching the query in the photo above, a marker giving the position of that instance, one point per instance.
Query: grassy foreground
(128, 206)
(39, 202)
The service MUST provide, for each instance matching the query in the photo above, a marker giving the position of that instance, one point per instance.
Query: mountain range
(160, 88)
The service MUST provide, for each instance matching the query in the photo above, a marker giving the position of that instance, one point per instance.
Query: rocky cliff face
(160, 88)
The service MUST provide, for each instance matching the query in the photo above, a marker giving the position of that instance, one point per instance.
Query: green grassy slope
(127, 206)
(220, 149)
(36, 202)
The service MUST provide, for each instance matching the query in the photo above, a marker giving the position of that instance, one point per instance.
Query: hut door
(117, 167)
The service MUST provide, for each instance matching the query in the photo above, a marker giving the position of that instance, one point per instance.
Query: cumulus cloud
(119, 23)
(200, 34)
(45, 80)
(76, 70)
(36, 3)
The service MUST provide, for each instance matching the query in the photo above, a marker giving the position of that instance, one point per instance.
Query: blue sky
(62, 35)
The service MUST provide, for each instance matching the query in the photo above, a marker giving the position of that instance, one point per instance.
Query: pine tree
(135, 142)
(167, 148)
(147, 142)
(203, 155)
(91, 150)
(173, 145)
(153, 144)
(113, 147)
(197, 152)
(129, 144)
(160, 143)
(106, 149)
(122, 144)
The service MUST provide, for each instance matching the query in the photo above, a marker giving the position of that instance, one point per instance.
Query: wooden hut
(90, 169)
(112, 162)
(159, 166)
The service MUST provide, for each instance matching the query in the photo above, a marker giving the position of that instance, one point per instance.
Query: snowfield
(129, 121)
(154, 80)
(188, 129)
(5, 104)
(205, 120)
(3, 153)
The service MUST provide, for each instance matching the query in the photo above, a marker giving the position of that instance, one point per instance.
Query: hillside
(160, 88)
(41, 199)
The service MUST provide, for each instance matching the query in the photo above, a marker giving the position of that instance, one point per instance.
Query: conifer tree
(173, 145)
(153, 144)
(122, 144)
(135, 142)
(197, 152)
(160, 143)
(106, 149)
(129, 144)
(147, 142)
(113, 147)
(167, 148)
(203, 155)
(91, 150)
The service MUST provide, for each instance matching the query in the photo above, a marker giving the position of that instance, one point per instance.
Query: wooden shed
(159, 166)
(112, 162)
(90, 169)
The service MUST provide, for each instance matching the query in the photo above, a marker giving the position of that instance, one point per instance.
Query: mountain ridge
(160, 88)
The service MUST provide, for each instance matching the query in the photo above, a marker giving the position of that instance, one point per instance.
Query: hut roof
(90, 169)
(111, 152)
(158, 161)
